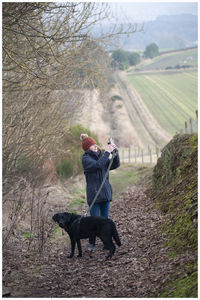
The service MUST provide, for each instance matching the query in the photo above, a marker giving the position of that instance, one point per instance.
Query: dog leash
(114, 153)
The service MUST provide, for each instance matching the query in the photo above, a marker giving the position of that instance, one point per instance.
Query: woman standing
(95, 164)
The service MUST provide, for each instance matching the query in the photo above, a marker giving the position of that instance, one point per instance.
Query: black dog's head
(63, 219)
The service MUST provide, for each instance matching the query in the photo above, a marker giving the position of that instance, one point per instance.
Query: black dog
(79, 227)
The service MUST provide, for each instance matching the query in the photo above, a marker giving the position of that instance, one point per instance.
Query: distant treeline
(123, 59)
(179, 67)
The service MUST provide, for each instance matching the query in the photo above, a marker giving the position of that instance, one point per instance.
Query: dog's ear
(55, 217)
(68, 216)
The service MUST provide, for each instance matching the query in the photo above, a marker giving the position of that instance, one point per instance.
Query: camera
(110, 141)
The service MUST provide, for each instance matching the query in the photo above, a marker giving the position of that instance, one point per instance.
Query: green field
(171, 96)
(182, 58)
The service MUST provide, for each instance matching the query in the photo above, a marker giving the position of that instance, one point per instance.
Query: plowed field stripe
(172, 97)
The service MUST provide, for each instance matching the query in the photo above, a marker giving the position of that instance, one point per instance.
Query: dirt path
(139, 267)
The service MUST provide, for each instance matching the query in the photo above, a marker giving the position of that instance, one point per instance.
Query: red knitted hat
(87, 141)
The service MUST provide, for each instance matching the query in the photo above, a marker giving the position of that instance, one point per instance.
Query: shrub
(125, 58)
(65, 169)
(68, 160)
(151, 51)
(134, 58)
(75, 132)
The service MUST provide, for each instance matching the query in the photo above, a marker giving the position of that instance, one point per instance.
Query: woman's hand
(111, 147)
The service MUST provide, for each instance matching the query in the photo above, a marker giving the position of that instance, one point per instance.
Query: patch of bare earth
(139, 267)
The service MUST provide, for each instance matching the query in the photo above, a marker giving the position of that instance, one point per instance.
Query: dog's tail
(115, 234)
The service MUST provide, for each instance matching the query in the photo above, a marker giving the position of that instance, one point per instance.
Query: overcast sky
(146, 11)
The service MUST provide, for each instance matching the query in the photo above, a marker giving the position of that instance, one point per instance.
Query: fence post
(138, 151)
(122, 155)
(135, 155)
(186, 127)
(150, 155)
(191, 127)
(129, 154)
(142, 157)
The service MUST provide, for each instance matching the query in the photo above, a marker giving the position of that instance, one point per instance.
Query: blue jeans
(100, 209)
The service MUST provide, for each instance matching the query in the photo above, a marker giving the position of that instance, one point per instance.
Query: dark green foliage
(151, 51)
(134, 58)
(176, 155)
(69, 161)
(125, 58)
(120, 56)
(76, 130)
(182, 288)
(179, 67)
(116, 97)
(65, 169)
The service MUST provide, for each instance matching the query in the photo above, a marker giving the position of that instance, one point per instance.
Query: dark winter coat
(95, 165)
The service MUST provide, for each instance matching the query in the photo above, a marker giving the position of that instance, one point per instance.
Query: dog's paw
(80, 255)
(70, 256)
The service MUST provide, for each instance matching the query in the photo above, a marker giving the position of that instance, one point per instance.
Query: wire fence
(137, 155)
(191, 126)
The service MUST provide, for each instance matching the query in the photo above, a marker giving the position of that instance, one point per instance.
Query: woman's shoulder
(93, 154)
(89, 153)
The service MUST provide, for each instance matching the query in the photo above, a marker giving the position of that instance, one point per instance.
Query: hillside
(175, 193)
(173, 59)
(167, 88)
(146, 105)
(142, 119)
(106, 115)
(121, 114)
(167, 31)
